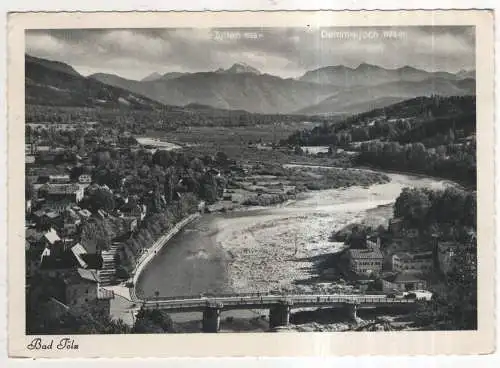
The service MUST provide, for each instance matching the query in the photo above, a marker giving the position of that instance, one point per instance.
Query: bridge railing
(248, 294)
(249, 298)
(213, 296)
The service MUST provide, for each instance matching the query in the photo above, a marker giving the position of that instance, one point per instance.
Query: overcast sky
(287, 52)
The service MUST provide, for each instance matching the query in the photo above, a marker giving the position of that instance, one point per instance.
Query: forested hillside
(412, 120)
(432, 135)
(57, 84)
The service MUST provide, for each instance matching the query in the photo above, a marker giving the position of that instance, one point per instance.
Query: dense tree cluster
(43, 321)
(78, 137)
(423, 119)
(456, 162)
(154, 179)
(95, 236)
(422, 208)
(164, 118)
(454, 304)
(153, 321)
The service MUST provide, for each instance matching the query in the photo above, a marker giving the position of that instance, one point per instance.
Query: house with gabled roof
(78, 250)
(85, 259)
(55, 262)
(85, 214)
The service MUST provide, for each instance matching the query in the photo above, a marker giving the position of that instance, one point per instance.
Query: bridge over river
(279, 306)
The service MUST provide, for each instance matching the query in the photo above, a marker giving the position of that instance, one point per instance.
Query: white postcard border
(254, 344)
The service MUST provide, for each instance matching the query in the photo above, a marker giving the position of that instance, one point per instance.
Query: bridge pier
(353, 311)
(279, 314)
(211, 318)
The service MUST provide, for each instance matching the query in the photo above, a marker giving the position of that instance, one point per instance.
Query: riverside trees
(153, 321)
(454, 162)
(423, 207)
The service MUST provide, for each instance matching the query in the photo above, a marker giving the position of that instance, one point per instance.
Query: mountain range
(371, 75)
(329, 90)
(236, 68)
(365, 98)
(259, 93)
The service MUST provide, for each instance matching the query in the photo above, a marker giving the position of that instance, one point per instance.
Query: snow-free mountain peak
(366, 67)
(52, 65)
(151, 77)
(239, 68)
(466, 74)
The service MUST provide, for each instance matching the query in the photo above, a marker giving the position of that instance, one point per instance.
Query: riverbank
(417, 174)
(368, 168)
(154, 249)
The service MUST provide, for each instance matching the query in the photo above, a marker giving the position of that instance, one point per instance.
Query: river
(267, 248)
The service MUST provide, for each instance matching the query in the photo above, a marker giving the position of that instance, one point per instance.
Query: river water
(267, 248)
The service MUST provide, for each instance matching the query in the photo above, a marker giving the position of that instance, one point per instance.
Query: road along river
(267, 248)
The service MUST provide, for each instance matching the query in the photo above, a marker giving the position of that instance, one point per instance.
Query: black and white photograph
(249, 180)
